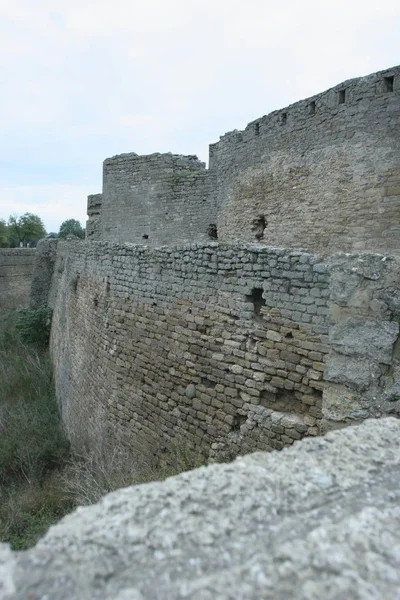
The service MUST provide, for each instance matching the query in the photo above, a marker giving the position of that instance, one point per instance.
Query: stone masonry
(178, 318)
(16, 268)
(93, 225)
(322, 174)
(154, 200)
(231, 348)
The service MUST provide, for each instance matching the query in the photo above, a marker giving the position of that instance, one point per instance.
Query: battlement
(334, 102)
(321, 174)
(157, 160)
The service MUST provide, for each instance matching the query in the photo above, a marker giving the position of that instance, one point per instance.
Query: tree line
(27, 229)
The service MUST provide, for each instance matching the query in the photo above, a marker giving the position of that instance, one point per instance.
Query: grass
(33, 446)
(40, 478)
(100, 463)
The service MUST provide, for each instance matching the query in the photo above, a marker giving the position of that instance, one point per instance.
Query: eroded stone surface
(365, 337)
(16, 268)
(318, 520)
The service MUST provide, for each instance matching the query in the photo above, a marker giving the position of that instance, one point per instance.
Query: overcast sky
(82, 80)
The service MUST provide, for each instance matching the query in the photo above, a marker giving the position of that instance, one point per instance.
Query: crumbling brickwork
(16, 268)
(238, 345)
(224, 346)
(93, 224)
(322, 174)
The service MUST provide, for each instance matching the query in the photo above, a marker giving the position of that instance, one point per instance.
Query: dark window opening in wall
(388, 83)
(256, 297)
(342, 96)
(283, 118)
(311, 108)
(238, 421)
(212, 231)
(145, 236)
(258, 227)
(282, 401)
(257, 129)
(208, 384)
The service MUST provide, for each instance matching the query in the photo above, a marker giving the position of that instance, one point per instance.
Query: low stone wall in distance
(16, 268)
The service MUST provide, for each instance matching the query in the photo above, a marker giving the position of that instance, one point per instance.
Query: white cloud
(85, 80)
(54, 203)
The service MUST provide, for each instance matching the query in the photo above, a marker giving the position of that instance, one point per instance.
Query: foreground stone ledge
(320, 519)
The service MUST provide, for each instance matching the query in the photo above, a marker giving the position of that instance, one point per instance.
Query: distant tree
(27, 228)
(3, 234)
(71, 227)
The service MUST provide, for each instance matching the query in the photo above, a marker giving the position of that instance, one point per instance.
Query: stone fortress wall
(234, 344)
(322, 174)
(153, 200)
(234, 347)
(230, 348)
(16, 268)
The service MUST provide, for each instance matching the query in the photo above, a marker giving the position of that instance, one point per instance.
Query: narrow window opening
(212, 231)
(342, 96)
(258, 227)
(145, 236)
(256, 297)
(283, 118)
(238, 421)
(388, 83)
(311, 108)
(257, 129)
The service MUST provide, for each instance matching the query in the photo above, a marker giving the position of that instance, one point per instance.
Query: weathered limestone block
(320, 519)
(16, 268)
(357, 373)
(357, 336)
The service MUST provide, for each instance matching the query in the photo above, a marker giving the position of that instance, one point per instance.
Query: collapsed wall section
(160, 199)
(224, 347)
(16, 268)
(93, 224)
(322, 174)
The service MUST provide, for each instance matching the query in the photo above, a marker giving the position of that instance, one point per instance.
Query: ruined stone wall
(223, 346)
(322, 174)
(362, 376)
(161, 199)
(16, 268)
(93, 224)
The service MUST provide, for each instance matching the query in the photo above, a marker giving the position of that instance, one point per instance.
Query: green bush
(31, 440)
(27, 511)
(40, 481)
(34, 325)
